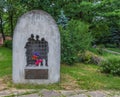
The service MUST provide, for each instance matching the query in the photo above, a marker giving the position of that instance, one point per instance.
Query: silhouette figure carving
(36, 51)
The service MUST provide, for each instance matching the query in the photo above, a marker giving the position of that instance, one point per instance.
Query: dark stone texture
(36, 73)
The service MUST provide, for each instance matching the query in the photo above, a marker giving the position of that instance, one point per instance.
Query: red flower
(34, 57)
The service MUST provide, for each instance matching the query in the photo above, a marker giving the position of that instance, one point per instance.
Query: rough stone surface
(68, 93)
(96, 94)
(49, 93)
(40, 23)
(9, 92)
(30, 95)
(79, 95)
(57, 93)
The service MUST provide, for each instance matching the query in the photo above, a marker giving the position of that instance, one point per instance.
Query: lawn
(89, 77)
(78, 76)
(5, 61)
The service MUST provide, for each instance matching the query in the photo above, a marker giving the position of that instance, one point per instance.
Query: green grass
(5, 61)
(80, 76)
(111, 63)
(113, 57)
(89, 77)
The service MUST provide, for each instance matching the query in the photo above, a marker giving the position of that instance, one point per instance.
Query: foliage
(102, 16)
(75, 38)
(115, 36)
(111, 65)
(62, 20)
(90, 58)
(8, 44)
(107, 14)
(100, 32)
(1, 18)
(110, 45)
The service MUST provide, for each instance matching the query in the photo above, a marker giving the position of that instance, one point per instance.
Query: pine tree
(62, 20)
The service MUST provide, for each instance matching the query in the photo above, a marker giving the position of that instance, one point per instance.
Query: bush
(110, 45)
(75, 38)
(8, 44)
(111, 65)
(89, 57)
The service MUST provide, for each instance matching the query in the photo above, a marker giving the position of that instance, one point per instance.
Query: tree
(101, 16)
(12, 11)
(2, 3)
(62, 20)
(75, 38)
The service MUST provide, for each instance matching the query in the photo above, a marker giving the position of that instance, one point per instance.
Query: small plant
(111, 65)
(89, 57)
(8, 44)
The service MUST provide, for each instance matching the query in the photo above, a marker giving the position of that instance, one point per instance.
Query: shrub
(89, 57)
(8, 44)
(108, 45)
(75, 38)
(111, 65)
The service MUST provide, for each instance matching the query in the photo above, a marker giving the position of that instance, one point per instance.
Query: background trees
(100, 17)
(2, 3)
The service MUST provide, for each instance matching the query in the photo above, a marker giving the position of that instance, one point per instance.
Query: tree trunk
(1, 28)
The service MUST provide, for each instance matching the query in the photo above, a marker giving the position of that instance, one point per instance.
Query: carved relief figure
(36, 51)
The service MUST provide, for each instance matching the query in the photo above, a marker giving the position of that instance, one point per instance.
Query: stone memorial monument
(36, 49)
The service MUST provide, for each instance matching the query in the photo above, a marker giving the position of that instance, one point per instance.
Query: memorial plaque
(36, 73)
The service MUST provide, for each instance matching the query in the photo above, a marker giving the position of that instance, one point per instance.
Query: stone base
(36, 73)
